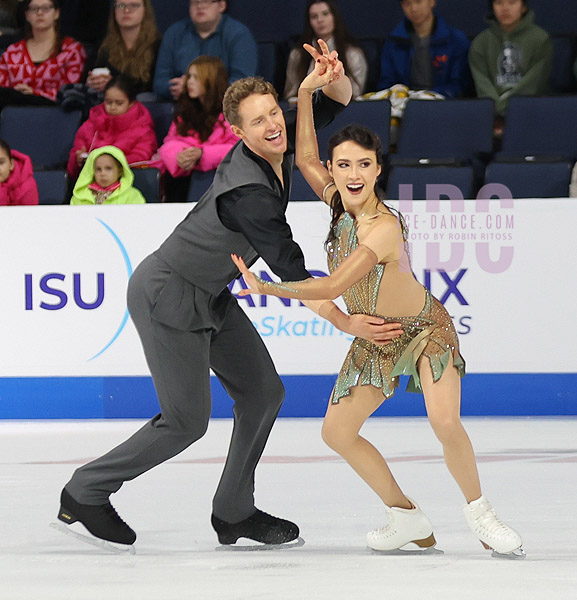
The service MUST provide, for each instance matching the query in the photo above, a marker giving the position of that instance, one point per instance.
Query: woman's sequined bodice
(362, 296)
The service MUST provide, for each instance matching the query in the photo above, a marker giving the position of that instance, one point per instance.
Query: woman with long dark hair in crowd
(323, 20)
(199, 137)
(130, 47)
(35, 68)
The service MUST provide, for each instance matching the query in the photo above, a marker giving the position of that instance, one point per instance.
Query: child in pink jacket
(17, 184)
(119, 121)
(199, 138)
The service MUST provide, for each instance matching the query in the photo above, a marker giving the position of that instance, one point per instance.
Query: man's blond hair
(241, 89)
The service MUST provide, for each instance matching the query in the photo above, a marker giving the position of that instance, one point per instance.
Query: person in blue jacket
(424, 53)
(210, 32)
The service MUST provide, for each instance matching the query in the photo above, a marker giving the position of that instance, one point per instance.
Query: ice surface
(527, 467)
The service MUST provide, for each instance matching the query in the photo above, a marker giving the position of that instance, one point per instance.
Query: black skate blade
(518, 554)
(257, 547)
(408, 550)
(93, 541)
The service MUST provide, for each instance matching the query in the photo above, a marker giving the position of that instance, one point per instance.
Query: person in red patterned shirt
(33, 69)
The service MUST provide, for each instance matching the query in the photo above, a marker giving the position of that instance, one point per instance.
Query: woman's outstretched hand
(249, 277)
(328, 67)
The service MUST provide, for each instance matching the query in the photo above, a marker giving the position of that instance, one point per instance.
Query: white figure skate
(492, 533)
(406, 527)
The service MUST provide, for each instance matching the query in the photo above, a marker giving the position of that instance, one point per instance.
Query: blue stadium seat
(438, 175)
(200, 181)
(458, 129)
(564, 54)
(532, 179)
(162, 114)
(267, 60)
(45, 133)
(469, 17)
(168, 12)
(555, 16)
(376, 115)
(372, 49)
(544, 126)
(268, 20)
(52, 186)
(367, 18)
(300, 189)
(148, 182)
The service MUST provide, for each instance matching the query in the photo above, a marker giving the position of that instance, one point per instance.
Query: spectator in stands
(8, 20)
(200, 137)
(130, 47)
(106, 178)
(513, 56)
(424, 53)
(119, 121)
(33, 69)
(17, 184)
(323, 20)
(210, 32)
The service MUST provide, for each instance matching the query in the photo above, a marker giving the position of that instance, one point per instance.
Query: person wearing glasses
(130, 47)
(210, 32)
(35, 68)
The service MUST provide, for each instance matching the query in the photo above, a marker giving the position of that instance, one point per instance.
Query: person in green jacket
(513, 56)
(106, 178)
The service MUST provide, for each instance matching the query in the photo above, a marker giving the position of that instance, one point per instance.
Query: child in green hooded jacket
(106, 178)
(513, 56)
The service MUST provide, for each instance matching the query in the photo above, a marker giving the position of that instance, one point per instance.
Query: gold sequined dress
(431, 333)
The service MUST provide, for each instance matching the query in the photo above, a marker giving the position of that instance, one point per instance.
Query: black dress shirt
(259, 213)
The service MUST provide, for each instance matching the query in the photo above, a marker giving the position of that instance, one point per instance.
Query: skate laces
(490, 523)
(112, 514)
(386, 530)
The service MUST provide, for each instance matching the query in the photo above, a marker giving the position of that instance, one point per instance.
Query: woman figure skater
(370, 268)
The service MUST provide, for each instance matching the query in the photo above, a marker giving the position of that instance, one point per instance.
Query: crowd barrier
(503, 269)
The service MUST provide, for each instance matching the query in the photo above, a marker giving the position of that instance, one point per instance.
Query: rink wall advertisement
(502, 268)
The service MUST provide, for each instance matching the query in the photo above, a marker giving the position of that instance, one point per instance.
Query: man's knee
(266, 394)
(191, 428)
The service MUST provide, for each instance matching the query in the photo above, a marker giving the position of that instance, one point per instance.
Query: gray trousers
(223, 339)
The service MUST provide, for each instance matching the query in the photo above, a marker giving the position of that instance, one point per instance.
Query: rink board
(69, 349)
(500, 394)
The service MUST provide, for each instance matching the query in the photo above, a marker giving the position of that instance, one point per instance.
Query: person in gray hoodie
(513, 56)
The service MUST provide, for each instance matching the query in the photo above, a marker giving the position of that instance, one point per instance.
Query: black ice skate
(102, 521)
(271, 532)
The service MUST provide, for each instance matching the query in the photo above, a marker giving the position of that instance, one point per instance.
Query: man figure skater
(189, 322)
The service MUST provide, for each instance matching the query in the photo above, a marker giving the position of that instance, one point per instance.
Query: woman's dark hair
(192, 114)
(368, 140)
(4, 146)
(341, 37)
(491, 14)
(124, 84)
(28, 27)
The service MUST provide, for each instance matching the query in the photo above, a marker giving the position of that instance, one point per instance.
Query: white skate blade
(93, 541)
(407, 550)
(518, 554)
(258, 547)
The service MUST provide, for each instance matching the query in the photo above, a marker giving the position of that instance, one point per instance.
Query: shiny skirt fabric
(430, 334)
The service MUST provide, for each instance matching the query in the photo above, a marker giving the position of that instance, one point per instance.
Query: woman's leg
(443, 402)
(340, 432)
